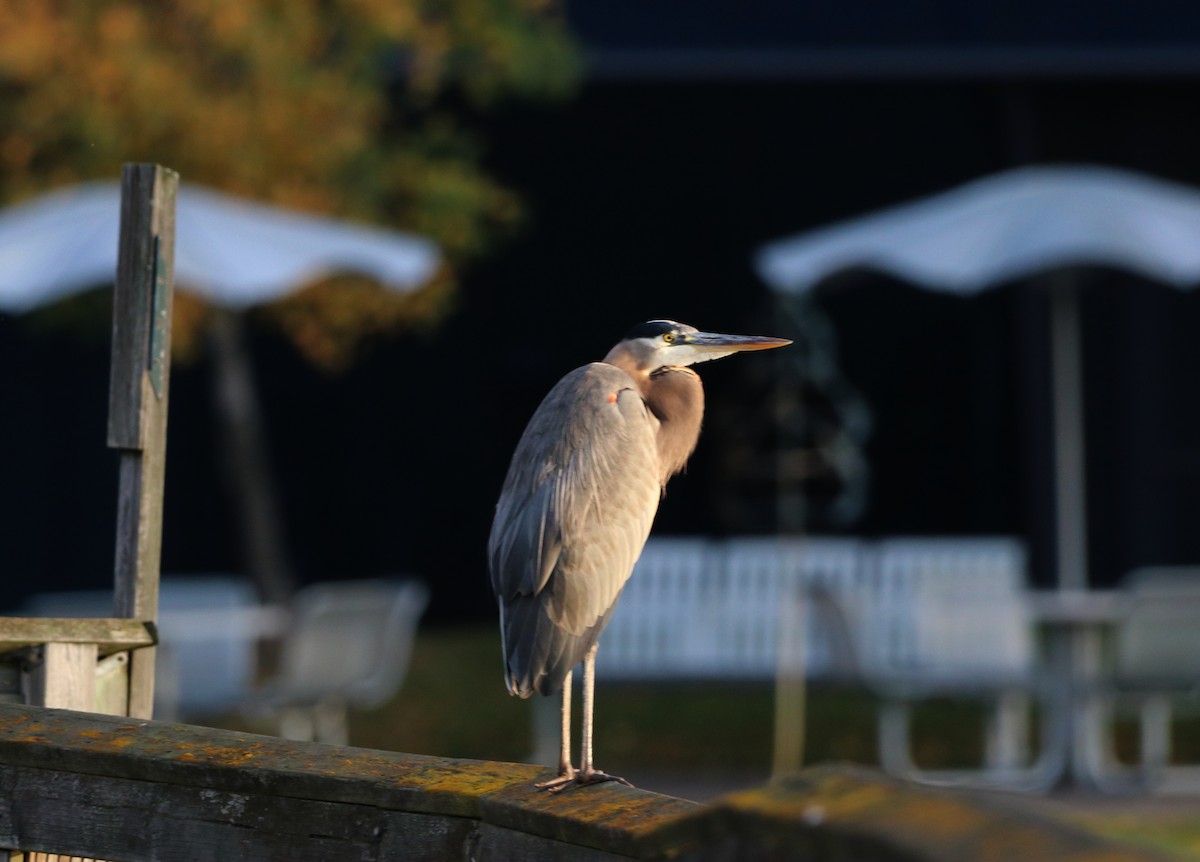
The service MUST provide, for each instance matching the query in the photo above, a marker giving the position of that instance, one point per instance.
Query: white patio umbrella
(230, 252)
(233, 254)
(1014, 225)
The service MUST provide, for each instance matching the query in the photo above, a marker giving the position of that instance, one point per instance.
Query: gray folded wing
(573, 515)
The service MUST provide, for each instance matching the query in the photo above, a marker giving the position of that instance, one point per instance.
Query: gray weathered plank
(89, 814)
(215, 764)
(137, 259)
(79, 814)
(138, 400)
(108, 633)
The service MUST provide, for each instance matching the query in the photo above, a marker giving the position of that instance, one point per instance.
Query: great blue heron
(578, 502)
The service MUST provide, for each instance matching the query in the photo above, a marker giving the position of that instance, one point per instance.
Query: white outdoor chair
(950, 618)
(1156, 671)
(348, 644)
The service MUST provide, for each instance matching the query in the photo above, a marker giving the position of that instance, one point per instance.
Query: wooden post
(65, 678)
(137, 410)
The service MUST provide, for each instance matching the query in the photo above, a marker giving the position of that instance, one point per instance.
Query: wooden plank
(138, 400)
(144, 821)
(65, 678)
(125, 819)
(109, 634)
(104, 815)
(220, 766)
(136, 256)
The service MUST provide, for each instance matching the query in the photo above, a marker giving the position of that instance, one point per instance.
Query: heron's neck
(675, 396)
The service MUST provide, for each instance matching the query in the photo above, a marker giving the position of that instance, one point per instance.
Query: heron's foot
(598, 777)
(554, 785)
(579, 779)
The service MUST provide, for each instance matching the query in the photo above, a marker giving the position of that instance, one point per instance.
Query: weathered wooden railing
(141, 791)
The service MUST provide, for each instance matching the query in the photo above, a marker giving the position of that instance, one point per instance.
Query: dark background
(702, 131)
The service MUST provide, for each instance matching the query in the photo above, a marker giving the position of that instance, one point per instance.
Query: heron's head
(661, 343)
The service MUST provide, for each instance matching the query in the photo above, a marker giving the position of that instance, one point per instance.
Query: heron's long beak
(705, 346)
(725, 344)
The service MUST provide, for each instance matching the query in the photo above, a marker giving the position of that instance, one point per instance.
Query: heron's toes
(598, 777)
(578, 778)
(554, 785)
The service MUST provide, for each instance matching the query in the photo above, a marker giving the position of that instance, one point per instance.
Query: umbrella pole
(791, 684)
(246, 464)
(1069, 480)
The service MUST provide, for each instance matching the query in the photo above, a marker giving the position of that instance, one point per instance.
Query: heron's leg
(588, 774)
(566, 772)
(564, 750)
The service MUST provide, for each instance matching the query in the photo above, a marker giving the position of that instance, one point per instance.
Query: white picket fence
(906, 611)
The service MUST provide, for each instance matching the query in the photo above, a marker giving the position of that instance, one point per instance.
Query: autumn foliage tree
(341, 108)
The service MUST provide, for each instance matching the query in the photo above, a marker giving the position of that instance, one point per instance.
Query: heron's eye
(669, 337)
